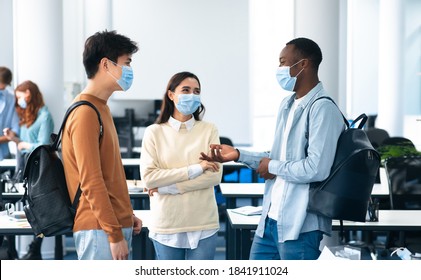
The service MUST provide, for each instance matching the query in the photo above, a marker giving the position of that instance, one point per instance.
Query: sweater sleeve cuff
(116, 236)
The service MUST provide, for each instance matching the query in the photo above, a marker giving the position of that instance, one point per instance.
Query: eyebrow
(187, 87)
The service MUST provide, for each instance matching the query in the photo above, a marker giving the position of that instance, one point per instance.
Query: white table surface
(388, 220)
(256, 189)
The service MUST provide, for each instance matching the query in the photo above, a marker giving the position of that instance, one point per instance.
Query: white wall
(208, 38)
(231, 45)
(319, 21)
(6, 42)
(269, 32)
(363, 63)
(363, 57)
(412, 58)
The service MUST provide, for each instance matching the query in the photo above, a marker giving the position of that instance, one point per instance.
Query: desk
(140, 196)
(380, 190)
(141, 245)
(389, 220)
(232, 191)
(10, 227)
(7, 164)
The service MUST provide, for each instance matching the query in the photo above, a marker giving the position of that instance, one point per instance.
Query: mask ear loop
(296, 64)
(108, 71)
(299, 73)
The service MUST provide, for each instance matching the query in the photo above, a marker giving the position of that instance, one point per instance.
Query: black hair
(308, 49)
(107, 44)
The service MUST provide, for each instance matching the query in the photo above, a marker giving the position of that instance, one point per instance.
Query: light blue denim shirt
(298, 170)
(8, 118)
(39, 132)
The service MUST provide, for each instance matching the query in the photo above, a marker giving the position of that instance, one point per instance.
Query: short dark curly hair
(308, 49)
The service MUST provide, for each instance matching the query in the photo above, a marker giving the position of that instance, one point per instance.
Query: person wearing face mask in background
(286, 230)
(36, 122)
(8, 119)
(8, 115)
(36, 126)
(185, 217)
(104, 221)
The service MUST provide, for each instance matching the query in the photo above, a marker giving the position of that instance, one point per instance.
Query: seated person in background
(185, 215)
(36, 126)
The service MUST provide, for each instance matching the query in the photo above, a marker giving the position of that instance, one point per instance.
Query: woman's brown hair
(34, 102)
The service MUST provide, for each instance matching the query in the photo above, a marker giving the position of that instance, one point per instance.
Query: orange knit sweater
(105, 202)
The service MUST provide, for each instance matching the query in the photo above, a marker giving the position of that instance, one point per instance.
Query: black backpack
(48, 207)
(345, 194)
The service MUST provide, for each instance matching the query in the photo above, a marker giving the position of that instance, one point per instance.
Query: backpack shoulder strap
(57, 138)
(307, 132)
(324, 97)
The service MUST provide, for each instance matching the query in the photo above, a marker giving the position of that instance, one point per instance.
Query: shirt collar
(177, 124)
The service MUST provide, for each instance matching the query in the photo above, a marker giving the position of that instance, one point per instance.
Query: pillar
(390, 84)
(38, 50)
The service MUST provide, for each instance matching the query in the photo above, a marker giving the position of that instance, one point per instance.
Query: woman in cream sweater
(181, 186)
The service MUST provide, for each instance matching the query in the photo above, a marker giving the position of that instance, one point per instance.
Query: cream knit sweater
(165, 157)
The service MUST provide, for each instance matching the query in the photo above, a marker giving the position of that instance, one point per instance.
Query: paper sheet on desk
(248, 210)
(340, 253)
(135, 185)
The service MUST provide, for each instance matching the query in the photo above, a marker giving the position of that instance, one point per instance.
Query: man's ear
(305, 63)
(104, 63)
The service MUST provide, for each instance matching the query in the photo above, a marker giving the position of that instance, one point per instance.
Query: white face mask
(188, 103)
(126, 79)
(22, 103)
(283, 76)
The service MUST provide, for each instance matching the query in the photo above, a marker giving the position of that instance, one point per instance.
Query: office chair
(226, 170)
(376, 136)
(220, 200)
(124, 127)
(404, 176)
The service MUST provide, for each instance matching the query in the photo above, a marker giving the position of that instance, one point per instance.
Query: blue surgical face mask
(188, 103)
(22, 103)
(284, 78)
(126, 79)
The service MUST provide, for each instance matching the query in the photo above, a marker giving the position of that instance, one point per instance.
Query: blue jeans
(205, 250)
(306, 247)
(94, 244)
